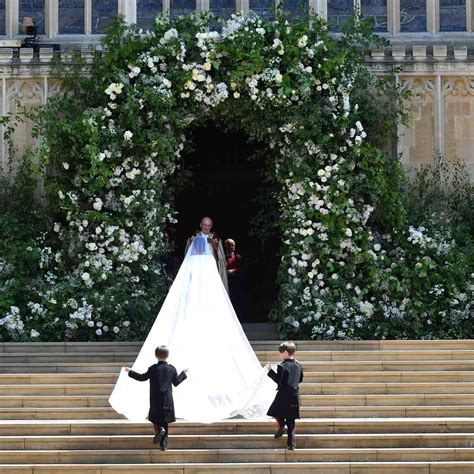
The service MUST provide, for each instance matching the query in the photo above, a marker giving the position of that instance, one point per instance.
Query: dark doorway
(224, 184)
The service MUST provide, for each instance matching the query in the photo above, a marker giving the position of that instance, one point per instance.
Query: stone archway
(224, 182)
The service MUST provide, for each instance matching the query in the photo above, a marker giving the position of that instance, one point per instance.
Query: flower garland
(288, 85)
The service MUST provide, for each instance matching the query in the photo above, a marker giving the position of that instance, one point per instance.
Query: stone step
(389, 376)
(305, 388)
(240, 441)
(60, 368)
(153, 455)
(239, 426)
(290, 467)
(325, 366)
(94, 411)
(52, 357)
(399, 366)
(443, 401)
(51, 401)
(406, 406)
(309, 366)
(388, 400)
(385, 388)
(257, 345)
(396, 355)
(264, 356)
(51, 413)
(309, 377)
(56, 389)
(33, 379)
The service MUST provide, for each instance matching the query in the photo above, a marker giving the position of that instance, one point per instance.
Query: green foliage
(355, 261)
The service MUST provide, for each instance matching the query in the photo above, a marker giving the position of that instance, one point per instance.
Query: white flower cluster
(12, 322)
(82, 313)
(114, 90)
(419, 236)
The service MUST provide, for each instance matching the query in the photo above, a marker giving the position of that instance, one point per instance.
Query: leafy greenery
(356, 262)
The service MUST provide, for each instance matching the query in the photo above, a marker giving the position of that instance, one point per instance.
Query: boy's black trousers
(291, 425)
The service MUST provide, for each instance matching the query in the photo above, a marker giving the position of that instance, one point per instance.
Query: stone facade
(432, 43)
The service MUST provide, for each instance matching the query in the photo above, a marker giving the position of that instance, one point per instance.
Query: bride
(199, 325)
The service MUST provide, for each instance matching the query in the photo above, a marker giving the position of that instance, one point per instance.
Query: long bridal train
(199, 325)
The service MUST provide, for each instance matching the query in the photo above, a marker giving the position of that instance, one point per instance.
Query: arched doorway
(224, 182)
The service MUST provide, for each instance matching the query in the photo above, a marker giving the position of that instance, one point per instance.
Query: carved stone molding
(458, 86)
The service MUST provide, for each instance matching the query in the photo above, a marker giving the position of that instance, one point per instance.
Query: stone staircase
(375, 407)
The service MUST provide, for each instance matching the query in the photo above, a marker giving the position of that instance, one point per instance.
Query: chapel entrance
(224, 183)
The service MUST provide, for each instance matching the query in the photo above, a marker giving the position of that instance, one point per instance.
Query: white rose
(377, 247)
(128, 135)
(99, 332)
(66, 166)
(86, 276)
(303, 41)
(98, 204)
(57, 227)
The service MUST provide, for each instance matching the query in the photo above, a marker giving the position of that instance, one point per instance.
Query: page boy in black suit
(285, 407)
(162, 377)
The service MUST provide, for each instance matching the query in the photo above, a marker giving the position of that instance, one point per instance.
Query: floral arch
(115, 138)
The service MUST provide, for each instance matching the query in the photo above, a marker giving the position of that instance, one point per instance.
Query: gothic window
(35, 10)
(181, 7)
(376, 11)
(103, 13)
(412, 15)
(452, 15)
(295, 8)
(264, 8)
(2, 17)
(147, 11)
(222, 8)
(339, 11)
(71, 17)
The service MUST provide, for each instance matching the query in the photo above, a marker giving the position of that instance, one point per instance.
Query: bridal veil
(199, 325)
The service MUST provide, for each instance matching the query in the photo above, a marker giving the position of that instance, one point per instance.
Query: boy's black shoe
(280, 432)
(159, 435)
(291, 448)
(164, 443)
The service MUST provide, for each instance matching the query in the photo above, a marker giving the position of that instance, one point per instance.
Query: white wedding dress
(199, 325)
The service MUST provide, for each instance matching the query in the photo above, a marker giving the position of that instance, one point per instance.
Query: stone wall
(440, 79)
